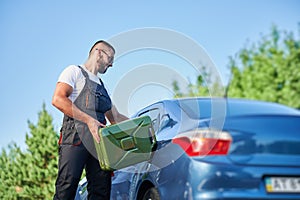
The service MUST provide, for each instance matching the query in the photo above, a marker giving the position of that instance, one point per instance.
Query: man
(83, 99)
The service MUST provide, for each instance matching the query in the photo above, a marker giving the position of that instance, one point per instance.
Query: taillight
(204, 142)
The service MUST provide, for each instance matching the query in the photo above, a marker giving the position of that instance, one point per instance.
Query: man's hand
(94, 125)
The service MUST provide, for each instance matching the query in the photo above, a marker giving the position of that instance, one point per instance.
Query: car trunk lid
(265, 140)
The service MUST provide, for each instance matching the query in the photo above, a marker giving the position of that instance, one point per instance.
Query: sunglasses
(110, 58)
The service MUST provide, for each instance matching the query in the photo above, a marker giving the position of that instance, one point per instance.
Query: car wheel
(151, 194)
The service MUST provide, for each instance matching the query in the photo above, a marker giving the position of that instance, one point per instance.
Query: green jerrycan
(126, 143)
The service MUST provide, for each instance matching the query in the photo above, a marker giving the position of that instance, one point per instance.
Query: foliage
(268, 70)
(31, 174)
(10, 173)
(205, 86)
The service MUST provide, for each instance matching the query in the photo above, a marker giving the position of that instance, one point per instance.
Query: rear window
(248, 107)
(203, 108)
(194, 109)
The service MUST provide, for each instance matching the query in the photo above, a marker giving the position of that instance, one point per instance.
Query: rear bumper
(234, 195)
(219, 179)
(210, 180)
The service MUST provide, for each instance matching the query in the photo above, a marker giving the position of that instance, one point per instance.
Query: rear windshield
(194, 109)
(204, 108)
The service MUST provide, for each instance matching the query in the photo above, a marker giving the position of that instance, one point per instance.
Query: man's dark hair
(103, 42)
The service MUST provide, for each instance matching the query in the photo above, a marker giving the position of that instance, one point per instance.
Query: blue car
(215, 148)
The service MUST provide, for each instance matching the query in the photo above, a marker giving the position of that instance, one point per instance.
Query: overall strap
(85, 74)
(101, 82)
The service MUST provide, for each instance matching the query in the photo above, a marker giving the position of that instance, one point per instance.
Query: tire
(151, 194)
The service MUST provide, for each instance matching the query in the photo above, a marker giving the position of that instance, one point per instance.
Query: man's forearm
(67, 107)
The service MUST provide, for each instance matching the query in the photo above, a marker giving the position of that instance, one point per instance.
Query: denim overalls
(77, 150)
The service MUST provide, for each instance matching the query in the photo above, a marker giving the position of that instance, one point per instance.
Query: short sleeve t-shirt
(73, 76)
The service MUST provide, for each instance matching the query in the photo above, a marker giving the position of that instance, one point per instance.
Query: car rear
(255, 156)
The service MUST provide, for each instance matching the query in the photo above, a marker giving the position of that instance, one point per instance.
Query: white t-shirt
(73, 76)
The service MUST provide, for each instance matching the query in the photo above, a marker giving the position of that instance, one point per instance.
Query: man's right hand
(94, 126)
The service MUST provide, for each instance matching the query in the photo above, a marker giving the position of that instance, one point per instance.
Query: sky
(40, 38)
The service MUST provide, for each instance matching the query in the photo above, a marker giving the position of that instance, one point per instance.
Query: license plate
(282, 184)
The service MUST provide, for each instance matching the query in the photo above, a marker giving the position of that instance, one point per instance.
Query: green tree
(10, 174)
(205, 85)
(31, 174)
(268, 70)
